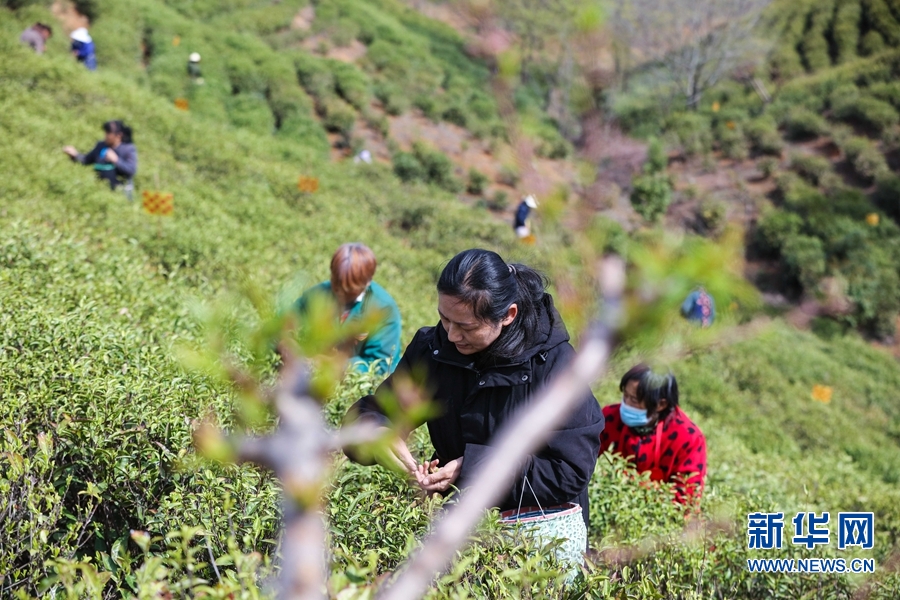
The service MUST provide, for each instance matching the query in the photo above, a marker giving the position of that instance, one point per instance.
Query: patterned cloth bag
(563, 521)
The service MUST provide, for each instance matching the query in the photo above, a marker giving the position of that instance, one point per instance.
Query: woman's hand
(402, 458)
(111, 156)
(71, 151)
(442, 479)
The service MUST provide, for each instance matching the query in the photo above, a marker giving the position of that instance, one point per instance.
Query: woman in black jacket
(498, 342)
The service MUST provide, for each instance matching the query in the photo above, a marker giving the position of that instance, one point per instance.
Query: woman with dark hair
(650, 429)
(357, 297)
(114, 157)
(497, 344)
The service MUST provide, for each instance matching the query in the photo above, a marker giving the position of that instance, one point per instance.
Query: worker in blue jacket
(357, 297)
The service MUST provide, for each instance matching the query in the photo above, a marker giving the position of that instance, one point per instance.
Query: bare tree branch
(524, 435)
(298, 453)
(698, 41)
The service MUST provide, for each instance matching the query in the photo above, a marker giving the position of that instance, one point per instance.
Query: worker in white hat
(520, 224)
(193, 67)
(83, 48)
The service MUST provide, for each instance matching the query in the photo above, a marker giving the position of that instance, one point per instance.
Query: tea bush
(764, 137)
(692, 132)
(800, 123)
(865, 158)
(651, 194)
(427, 165)
(810, 167)
(477, 182)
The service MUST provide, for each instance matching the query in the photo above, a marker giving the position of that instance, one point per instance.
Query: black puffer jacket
(475, 403)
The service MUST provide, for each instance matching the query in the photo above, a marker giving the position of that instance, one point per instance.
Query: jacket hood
(551, 333)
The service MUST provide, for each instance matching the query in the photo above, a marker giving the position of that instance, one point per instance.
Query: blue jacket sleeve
(127, 165)
(688, 303)
(383, 344)
(92, 156)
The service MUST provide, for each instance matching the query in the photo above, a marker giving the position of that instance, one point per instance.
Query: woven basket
(551, 523)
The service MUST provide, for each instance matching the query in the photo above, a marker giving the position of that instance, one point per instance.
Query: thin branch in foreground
(298, 453)
(525, 435)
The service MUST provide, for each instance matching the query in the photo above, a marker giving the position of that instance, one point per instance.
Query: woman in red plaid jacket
(651, 431)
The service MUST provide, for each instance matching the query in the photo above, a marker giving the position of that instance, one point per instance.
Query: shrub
(314, 75)
(651, 195)
(873, 284)
(804, 256)
(871, 43)
(865, 158)
(482, 106)
(802, 123)
(711, 216)
(379, 123)
(88, 8)
(608, 236)
(344, 32)
(785, 62)
(425, 164)
(351, 84)
(768, 166)
(456, 115)
(407, 167)
(426, 103)
(764, 137)
(657, 159)
(887, 195)
(882, 19)
(810, 167)
(288, 101)
(499, 201)
(556, 149)
(867, 111)
(887, 91)
(845, 30)
(438, 168)
(338, 116)
(731, 140)
(392, 97)
(774, 228)
(508, 176)
(477, 182)
(17, 4)
(814, 45)
(693, 133)
(250, 111)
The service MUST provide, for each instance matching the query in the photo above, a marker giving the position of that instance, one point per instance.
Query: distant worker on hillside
(498, 342)
(193, 68)
(83, 48)
(358, 297)
(114, 157)
(520, 224)
(649, 429)
(36, 36)
(699, 307)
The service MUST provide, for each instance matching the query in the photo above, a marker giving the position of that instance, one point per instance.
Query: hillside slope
(96, 412)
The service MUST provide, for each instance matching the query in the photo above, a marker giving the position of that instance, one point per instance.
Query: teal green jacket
(381, 347)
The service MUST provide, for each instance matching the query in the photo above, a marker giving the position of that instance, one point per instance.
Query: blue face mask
(633, 417)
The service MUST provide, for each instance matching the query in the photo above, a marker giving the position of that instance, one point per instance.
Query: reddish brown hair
(352, 268)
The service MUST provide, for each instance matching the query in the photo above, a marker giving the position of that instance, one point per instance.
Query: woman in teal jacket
(357, 296)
